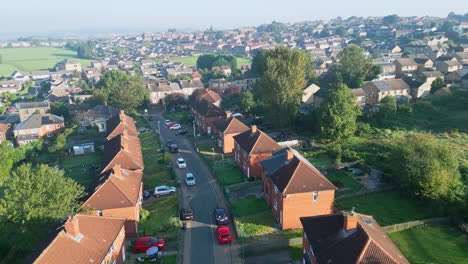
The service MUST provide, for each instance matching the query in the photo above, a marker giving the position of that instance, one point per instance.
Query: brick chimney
(350, 222)
(117, 170)
(289, 154)
(228, 114)
(125, 133)
(206, 90)
(122, 115)
(253, 129)
(71, 226)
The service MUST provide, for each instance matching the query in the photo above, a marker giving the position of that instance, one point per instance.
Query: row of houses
(111, 211)
(299, 195)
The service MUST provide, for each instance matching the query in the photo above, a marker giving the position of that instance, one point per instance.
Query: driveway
(199, 243)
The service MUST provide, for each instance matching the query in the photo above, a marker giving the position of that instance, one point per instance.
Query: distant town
(338, 141)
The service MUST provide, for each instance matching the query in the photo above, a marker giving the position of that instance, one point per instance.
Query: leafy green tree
(338, 114)
(60, 108)
(220, 62)
(283, 77)
(36, 197)
(6, 160)
(247, 101)
(437, 84)
(205, 61)
(391, 20)
(61, 141)
(86, 50)
(340, 31)
(354, 68)
(311, 76)
(100, 96)
(388, 105)
(447, 26)
(427, 168)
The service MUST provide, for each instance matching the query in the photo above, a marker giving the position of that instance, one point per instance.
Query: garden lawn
(83, 176)
(256, 224)
(432, 244)
(344, 179)
(163, 216)
(249, 206)
(319, 158)
(172, 259)
(295, 252)
(206, 149)
(140, 121)
(163, 177)
(179, 116)
(388, 208)
(228, 174)
(34, 59)
(76, 161)
(149, 143)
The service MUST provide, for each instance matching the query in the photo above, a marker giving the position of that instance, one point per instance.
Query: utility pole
(194, 135)
(159, 128)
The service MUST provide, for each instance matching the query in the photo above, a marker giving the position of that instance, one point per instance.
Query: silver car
(164, 190)
(181, 163)
(189, 179)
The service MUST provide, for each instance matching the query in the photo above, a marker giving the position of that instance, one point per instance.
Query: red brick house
(87, 239)
(123, 150)
(225, 130)
(250, 147)
(38, 126)
(117, 193)
(295, 188)
(205, 113)
(4, 128)
(212, 97)
(118, 123)
(347, 238)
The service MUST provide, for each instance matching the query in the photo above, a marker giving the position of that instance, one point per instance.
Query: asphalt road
(200, 243)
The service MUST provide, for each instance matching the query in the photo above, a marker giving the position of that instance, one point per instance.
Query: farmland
(33, 59)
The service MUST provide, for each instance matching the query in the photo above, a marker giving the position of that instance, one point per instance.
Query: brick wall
(119, 247)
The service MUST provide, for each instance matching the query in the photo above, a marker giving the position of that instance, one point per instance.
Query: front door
(248, 172)
(281, 217)
(209, 130)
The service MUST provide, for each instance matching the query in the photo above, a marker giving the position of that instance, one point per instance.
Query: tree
(354, 68)
(247, 101)
(123, 91)
(37, 196)
(427, 167)
(338, 113)
(217, 90)
(437, 84)
(233, 90)
(61, 141)
(283, 77)
(340, 31)
(196, 94)
(174, 99)
(99, 97)
(447, 26)
(85, 50)
(388, 107)
(391, 20)
(59, 108)
(205, 61)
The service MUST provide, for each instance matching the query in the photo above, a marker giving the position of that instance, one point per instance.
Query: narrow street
(199, 241)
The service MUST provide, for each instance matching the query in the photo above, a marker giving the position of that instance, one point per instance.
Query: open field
(432, 244)
(192, 60)
(33, 59)
(388, 208)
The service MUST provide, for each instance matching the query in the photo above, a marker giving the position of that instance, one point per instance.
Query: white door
(248, 172)
(123, 253)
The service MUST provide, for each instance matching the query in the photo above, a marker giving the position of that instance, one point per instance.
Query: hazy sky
(23, 17)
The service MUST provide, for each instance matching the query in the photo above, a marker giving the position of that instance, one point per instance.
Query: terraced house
(38, 126)
(226, 128)
(205, 114)
(118, 123)
(123, 150)
(250, 147)
(347, 238)
(294, 188)
(87, 239)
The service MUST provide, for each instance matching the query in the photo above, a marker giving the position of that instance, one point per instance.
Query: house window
(49, 134)
(47, 127)
(315, 196)
(99, 212)
(275, 204)
(57, 126)
(276, 189)
(311, 251)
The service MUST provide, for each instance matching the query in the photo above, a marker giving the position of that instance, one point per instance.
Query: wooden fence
(361, 193)
(423, 222)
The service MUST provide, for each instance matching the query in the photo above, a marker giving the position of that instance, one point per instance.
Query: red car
(144, 243)
(172, 123)
(223, 235)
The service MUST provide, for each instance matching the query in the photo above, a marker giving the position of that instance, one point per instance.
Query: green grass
(293, 233)
(163, 177)
(192, 60)
(163, 216)
(256, 224)
(35, 58)
(170, 259)
(295, 252)
(388, 208)
(344, 179)
(206, 149)
(249, 206)
(432, 244)
(77, 161)
(228, 174)
(319, 158)
(140, 121)
(179, 116)
(149, 143)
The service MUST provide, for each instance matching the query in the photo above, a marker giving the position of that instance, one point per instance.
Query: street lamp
(159, 127)
(212, 150)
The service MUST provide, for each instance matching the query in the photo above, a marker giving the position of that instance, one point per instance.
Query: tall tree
(427, 168)
(283, 77)
(391, 20)
(338, 113)
(437, 84)
(247, 101)
(205, 61)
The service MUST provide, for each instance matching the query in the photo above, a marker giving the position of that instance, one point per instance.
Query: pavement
(199, 243)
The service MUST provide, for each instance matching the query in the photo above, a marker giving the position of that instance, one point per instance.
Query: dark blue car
(221, 217)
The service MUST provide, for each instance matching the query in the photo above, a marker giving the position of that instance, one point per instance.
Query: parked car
(164, 190)
(150, 118)
(221, 216)
(146, 194)
(144, 243)
(173, 148)
(173, 123)
(170, 142)
(181, 132)
(181, 163)
(186, 214)
(189, 179)
(175, 127)
(223, 235)
(143, 130)
(167, 122)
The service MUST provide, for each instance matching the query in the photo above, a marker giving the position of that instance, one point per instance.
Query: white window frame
(315, 196)
(275, 204)
(276, 189)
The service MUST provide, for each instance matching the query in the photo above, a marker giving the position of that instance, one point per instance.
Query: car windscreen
(225, 236)
(154, 240)
(190, 178)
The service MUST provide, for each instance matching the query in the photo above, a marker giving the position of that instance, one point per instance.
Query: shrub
(144, 214)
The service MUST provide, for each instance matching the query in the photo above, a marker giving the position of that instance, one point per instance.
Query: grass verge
(228, 174)
(163, 216)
